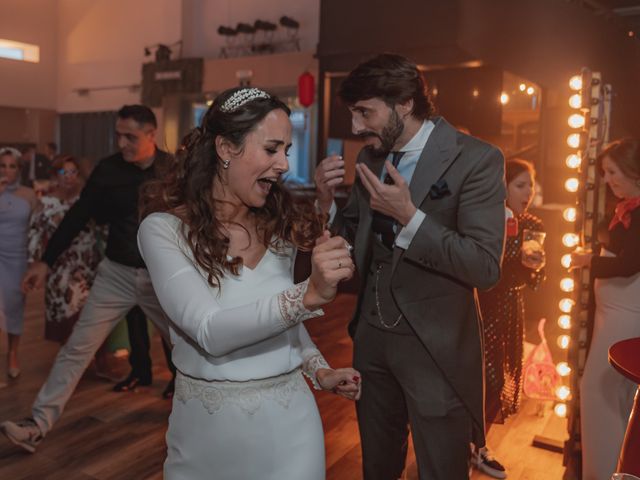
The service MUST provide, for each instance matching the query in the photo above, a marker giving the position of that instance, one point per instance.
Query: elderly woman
(16, 205)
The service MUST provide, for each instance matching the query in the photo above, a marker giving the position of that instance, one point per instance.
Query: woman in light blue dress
(16, 204)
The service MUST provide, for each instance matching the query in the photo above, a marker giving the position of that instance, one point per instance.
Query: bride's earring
(225, 164)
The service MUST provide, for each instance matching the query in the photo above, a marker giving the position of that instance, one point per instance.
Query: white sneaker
(484, 461)
(24, 433)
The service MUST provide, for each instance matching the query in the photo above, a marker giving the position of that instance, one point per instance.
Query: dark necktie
(383, 224)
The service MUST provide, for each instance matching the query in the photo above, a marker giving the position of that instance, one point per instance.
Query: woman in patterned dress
(16, 204)
(503, 312)
(73, 273)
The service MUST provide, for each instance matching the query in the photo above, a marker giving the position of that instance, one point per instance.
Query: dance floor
(104, 435)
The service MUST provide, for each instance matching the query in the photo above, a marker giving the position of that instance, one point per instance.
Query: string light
(563, 341)
(475, 93)
(573, 160)
(575, 83)
(563, 392)
(530, 90)
(573, 140)
(565, 261)
(564, 322)
(566, 304)
(570, 240)
(560, 410)
(575, 101)
(566, 284)
(563, 369)
(572, 184)
(576, 121)
(504, 98)
(569, 214)
(522, 87)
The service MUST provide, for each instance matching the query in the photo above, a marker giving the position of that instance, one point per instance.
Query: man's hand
(341, 381)
(35, 277)
(329, 174)
(391, 200)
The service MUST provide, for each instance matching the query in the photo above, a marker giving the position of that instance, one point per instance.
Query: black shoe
(167, 394)
(130, 383)
(484, 461)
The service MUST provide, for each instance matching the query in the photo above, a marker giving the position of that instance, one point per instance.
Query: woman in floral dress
(73, 273)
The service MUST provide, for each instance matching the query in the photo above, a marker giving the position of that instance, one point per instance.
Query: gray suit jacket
(457, 249)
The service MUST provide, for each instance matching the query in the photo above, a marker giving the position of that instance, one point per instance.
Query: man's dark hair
(392, 78)
(140, 113)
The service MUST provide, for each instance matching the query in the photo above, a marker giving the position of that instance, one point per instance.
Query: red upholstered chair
(624, 356)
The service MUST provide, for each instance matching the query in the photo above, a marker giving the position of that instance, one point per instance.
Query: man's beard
(388, 137)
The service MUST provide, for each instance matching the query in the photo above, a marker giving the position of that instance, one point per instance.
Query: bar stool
(624, 356)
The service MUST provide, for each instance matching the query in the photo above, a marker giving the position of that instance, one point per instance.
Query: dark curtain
(88, 136)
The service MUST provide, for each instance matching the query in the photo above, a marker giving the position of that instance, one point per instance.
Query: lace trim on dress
(292, 309)
(311, 365)
(248, 396)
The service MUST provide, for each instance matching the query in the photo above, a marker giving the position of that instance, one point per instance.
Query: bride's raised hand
(331, 263)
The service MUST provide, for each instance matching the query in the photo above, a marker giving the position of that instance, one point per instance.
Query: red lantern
(306, 89)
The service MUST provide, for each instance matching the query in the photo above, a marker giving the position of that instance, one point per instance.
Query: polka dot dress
(503, 318)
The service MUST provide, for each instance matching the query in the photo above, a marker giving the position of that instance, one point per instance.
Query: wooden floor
(105, 435)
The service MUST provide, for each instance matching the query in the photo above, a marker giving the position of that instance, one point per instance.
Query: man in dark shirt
(122, 281)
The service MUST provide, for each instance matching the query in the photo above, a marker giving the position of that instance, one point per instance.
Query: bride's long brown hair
(187, 191)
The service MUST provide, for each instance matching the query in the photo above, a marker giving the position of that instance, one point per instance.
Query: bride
(219, 240)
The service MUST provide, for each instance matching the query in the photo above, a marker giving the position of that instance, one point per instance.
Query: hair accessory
(241, 97)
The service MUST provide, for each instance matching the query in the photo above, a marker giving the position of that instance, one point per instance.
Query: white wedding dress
(242, 409)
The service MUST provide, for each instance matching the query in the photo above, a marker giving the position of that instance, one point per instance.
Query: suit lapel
(436, 157)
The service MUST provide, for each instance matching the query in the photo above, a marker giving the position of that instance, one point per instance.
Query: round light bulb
(572, 185)
(522, 87)
(565, 261)
(564, 322)
(576, 121)
(563, 341)
(475, 92)
(504, 98)
(575, 101)
(570, 240)
(575, 83)
(560, 410)
(566, 285)
(566, 304)
(530, 90)
(573, 140)
(573, 161)
(569, 214)
(563, 369)
(563, 392)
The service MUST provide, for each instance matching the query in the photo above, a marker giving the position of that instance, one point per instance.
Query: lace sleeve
(312, 359)
(311, 365)
(292, 309)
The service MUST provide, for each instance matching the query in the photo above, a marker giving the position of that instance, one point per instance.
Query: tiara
(242, 97)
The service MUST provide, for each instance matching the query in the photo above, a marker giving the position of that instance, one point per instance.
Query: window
(23, 52)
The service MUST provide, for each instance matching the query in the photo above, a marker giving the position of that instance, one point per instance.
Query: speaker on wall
(168, 77)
